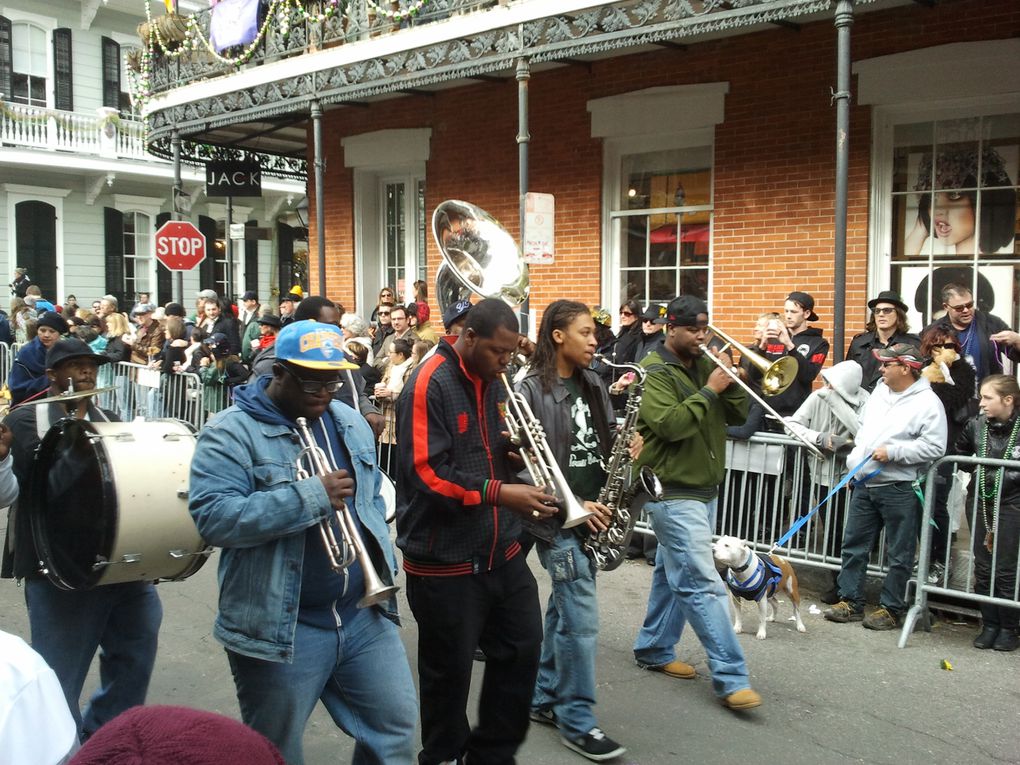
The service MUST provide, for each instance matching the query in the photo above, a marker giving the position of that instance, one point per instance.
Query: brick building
(701, 162)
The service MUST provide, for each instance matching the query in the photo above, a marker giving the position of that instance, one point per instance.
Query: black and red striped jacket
(451, 465)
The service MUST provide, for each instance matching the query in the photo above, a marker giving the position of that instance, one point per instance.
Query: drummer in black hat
(887, 325)
(69, 626)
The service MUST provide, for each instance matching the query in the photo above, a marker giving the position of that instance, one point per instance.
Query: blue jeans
(120, 620)
(359, 671)
(687, 588)
(895, 506)
(566, 670)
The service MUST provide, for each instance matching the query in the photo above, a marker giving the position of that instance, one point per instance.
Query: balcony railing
(104, 134)
(348, 21)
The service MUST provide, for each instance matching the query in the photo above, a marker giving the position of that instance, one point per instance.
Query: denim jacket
(245, 498)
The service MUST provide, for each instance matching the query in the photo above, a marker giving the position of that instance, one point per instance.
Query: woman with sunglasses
(387, 297)
(887, 325)
(953, 381)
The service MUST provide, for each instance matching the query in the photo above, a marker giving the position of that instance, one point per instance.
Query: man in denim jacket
(289, 621)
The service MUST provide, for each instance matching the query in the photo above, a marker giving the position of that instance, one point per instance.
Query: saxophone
(624, 497)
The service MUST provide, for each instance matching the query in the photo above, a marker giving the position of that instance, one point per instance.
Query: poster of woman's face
(965, 202)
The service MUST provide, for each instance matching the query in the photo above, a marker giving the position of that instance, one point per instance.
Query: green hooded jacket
(683, 423)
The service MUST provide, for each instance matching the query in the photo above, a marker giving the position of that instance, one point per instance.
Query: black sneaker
(595, 745)
(544, 716)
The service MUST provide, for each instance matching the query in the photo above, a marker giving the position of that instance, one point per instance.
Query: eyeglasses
(624, 312)
(892, 364)
(384, 313)
(947, 346)
(961, 308)
(882, 311)
(313, 386)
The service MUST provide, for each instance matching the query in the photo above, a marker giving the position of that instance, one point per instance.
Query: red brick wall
(774, 162)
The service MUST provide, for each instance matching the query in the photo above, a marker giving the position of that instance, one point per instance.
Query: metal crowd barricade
(952, 581)
(7, 354)
(769, 484)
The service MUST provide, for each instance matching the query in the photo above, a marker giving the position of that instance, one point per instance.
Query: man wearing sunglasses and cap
(69, 626)
(886, 326)
(290, 622)
(796, 339)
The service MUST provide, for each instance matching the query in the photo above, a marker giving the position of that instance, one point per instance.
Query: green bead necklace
(989, 494)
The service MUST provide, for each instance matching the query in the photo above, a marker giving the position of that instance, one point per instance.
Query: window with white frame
(953, 204)
(403, 233)
(661, 224)
(138, 263)
(29, 61)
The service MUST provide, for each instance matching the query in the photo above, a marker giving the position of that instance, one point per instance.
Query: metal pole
(229, 243)
(320, 211)
(175, 144)
(523, 138)
(844, 20)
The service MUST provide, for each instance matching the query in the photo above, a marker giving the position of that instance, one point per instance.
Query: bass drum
(110, 503)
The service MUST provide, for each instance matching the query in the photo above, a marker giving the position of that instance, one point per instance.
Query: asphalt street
(835, 694)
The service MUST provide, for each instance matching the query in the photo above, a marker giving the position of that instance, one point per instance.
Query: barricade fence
(771, 480)
(963, 563)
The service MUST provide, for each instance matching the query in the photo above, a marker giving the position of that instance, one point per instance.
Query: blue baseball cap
(313, 345)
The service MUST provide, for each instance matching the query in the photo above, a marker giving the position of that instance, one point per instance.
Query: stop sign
(179, 245)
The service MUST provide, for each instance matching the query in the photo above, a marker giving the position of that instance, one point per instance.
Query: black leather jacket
(970, 441)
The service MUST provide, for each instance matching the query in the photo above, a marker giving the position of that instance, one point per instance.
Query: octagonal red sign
(179, 245)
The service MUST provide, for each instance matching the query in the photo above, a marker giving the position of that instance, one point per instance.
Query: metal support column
(523, 138)
(228, 243)
(844, 20)
(175, 144)
(320, 207)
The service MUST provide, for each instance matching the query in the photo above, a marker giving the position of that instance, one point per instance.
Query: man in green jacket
(688, 401)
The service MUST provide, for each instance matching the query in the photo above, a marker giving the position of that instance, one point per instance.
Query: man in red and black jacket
(458, 522)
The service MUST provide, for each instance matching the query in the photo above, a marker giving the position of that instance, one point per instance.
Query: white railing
(103, 134)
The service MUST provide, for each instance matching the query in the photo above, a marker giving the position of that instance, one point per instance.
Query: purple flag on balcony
(234, 22)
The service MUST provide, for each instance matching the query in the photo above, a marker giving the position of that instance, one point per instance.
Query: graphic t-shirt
(583, 470)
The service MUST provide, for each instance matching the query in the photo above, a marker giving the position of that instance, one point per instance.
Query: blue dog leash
(835, 489)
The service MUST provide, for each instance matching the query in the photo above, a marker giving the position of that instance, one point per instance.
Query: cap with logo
(807, 303)
(456, 311)
(888, 296)
(683, 311)
(71, 348)
(312, 345)
(905, 353)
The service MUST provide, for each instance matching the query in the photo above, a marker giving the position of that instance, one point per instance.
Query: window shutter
(63, 87)
(251, 261)
(114, 235)
(164, 276)
(6, 59)
(207, 268)
(111, 73)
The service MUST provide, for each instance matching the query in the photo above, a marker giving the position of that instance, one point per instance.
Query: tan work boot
(675, 668)
(743, 699)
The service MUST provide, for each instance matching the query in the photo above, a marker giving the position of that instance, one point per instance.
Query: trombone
(343, 552)
(777, 376)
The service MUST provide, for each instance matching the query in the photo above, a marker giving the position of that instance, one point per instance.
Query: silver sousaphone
(481, 258)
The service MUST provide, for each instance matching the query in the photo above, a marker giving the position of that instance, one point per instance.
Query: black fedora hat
(888, 296)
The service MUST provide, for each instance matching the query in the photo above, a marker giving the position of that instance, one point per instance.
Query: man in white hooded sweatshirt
(903, 430)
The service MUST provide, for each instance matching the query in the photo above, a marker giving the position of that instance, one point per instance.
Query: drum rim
(45, 551)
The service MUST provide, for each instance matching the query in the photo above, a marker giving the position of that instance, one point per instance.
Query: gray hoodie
(912, 427)
(835, 409)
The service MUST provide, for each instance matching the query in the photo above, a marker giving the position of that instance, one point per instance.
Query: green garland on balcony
(282, 11)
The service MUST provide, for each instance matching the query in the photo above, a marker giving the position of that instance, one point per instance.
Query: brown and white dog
(750, 576)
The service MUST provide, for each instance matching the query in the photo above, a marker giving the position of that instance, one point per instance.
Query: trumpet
(350, 547)
(777, 376)
(526, 431)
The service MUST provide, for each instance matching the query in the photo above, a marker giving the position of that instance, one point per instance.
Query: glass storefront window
(954, 213)
(663, 224)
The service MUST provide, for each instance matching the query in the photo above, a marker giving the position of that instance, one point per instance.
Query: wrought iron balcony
(286, 31)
